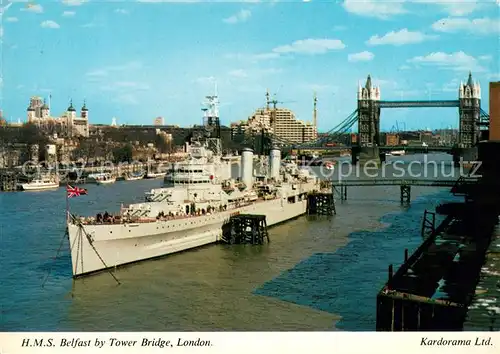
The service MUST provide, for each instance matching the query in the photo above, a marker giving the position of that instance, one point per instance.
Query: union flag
(75, 191)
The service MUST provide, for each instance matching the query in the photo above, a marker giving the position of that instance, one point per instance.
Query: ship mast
(211, 122)
(315, 112)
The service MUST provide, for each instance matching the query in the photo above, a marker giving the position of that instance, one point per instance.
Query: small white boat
(132, 177)
(105, 178)
(396, 153)
(42, 183)
(155, 174)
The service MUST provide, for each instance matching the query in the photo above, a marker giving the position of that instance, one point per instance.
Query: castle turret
(45, 110)
(30, 113)
(85, 111)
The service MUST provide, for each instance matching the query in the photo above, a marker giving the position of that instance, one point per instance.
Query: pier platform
(436, 285)
(245, 228)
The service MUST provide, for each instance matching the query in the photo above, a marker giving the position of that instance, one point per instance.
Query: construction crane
(274, 102)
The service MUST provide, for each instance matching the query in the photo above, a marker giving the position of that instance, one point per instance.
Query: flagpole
(67, 204)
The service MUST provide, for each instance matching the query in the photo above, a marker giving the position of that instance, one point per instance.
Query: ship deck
(119, 219)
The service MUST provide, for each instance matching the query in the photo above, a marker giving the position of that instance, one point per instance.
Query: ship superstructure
(199, 196)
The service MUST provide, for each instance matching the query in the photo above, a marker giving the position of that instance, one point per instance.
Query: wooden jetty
(320, 204)
(434, 287)
(245, 228)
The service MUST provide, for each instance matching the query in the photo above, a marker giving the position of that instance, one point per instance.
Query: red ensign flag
(75, 191)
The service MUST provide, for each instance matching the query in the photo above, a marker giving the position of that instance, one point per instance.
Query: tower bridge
(472, 119)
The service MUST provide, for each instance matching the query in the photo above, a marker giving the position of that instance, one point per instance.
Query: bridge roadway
(398, 182)
(423, 149)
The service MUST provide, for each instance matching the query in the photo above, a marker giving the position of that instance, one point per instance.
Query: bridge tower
(368, 114)
(469, 95)
(368, 124)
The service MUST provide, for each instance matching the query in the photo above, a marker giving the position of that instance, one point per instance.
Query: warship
(198, 197)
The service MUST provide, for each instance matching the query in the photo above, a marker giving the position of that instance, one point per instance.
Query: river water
(317, 273)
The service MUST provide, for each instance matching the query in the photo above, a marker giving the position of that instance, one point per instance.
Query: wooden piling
(405, 194)
(321, 204)
(245, 228)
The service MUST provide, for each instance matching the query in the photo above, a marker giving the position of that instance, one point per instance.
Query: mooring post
(406, 255)
(405, 193)
(422, 232)
(344, 192)
(390, 273)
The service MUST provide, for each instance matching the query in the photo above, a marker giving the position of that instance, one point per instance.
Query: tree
(123, 153)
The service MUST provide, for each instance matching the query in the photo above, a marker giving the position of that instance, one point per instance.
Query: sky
(139, 59)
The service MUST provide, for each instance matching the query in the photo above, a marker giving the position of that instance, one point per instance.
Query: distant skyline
(139, 59)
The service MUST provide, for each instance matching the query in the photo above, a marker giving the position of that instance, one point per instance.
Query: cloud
(73, 2)
(122, 11)
(125, 85)
(265, 56)
(339, 28)
(1, 32)
(50, 24)
(404, 67)
(90, 25)
(303, 46)
(389, 8)
(11, 19)
(485, 57)
(482, 26)
(320, 87)
(69, 13)
(493, 76)
(453, 7)
(241, 16)
(127, 98)
(399, 38)
(310, 46)
(375, 8)
(205, 80)
(361, 56)
(133, 65)
(458, 61)
(97, 73)
(180, 1)
(238, 73)
(36, 8)
(451, 86)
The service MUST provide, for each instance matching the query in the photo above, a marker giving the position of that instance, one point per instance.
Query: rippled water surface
(317, 273)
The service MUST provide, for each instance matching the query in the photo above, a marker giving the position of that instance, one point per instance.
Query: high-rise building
(287, 127)
(495, 111)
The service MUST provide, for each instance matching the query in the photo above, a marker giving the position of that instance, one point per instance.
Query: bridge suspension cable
(341, 128)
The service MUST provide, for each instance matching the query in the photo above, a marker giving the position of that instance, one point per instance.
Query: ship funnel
(274, 162)
(247, 167)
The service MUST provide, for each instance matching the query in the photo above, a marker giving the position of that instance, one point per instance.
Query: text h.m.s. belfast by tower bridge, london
(473, 121)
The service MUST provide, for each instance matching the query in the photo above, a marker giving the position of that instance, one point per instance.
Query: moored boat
(41, 183)
(105, 178)
(134, 177)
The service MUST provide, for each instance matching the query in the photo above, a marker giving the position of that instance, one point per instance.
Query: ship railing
(138, 216)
